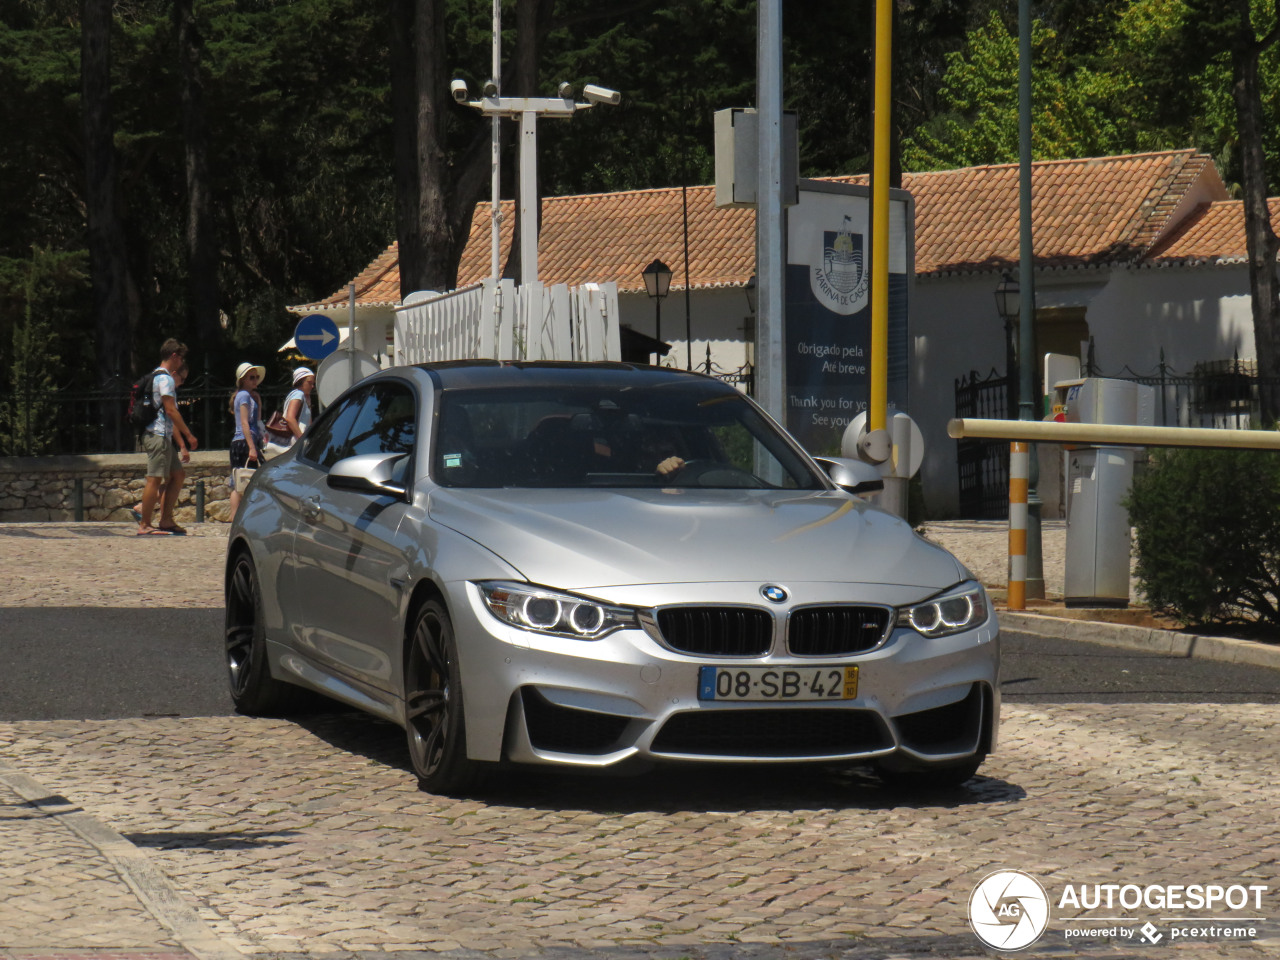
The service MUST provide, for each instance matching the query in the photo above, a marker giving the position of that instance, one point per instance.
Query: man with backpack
(164, 467)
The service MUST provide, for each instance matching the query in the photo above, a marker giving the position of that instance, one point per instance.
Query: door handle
(310, 508)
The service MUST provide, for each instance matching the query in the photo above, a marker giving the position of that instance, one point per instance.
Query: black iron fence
(983, 464)
(1221, 394)
(70, 421)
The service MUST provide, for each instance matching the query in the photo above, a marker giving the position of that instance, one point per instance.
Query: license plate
(791, 684)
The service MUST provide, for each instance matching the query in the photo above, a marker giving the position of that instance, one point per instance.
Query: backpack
(142, 406)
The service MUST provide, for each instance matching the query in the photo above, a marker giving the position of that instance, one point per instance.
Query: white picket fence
(504, 321)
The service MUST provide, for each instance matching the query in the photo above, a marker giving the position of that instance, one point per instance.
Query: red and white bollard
(1019, 473)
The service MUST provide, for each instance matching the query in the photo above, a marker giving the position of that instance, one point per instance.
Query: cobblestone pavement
(232, 837)
(106, 565)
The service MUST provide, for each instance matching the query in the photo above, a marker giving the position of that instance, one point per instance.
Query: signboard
(316, 336)
(341, 371)
(828, 309)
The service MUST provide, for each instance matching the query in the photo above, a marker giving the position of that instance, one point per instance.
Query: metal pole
(528, 197)
(877, 411)
(1027, 299)
(771, 384)
(351, 334)
(495, 151)
(688, 321)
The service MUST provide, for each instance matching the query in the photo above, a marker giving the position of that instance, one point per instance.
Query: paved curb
(1151, 639)
(164, 901)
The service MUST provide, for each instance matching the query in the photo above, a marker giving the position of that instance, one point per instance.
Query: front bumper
(628, 698)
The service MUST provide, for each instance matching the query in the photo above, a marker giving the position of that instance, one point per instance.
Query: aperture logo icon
(1009, 910)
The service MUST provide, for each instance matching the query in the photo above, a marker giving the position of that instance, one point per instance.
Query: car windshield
(670, 434)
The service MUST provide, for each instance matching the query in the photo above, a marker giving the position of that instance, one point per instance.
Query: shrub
(1208, 535)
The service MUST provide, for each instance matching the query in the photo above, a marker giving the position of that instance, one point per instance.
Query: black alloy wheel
(253, 690)
(433, 705)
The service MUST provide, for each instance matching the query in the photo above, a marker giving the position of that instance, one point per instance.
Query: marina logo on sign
(840, 282)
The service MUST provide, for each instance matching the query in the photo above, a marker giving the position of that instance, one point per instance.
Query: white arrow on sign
(324, 336)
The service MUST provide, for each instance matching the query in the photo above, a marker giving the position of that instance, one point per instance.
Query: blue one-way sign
(316, 336)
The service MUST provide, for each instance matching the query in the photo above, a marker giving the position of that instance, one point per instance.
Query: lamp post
(657, 281)
(1008, 296)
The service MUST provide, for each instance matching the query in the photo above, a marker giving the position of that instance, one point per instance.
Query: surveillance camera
(490, 90)
(459, 90)
(566, 91)
(601, 95)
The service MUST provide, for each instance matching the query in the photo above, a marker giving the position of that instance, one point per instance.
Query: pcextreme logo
(1009, 910)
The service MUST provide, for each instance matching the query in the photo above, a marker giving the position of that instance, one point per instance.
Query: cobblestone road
(224, 837)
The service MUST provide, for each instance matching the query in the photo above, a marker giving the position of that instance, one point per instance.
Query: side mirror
(372, 473)
(852, 475)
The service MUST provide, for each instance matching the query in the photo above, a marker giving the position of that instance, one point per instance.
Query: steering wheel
(713, 473)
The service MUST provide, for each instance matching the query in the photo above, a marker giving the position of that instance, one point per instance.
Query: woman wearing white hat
(297, 405)
(246, 410)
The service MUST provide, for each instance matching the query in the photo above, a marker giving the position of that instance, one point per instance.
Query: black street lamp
(1008, 303)
(657, 281)
(750, 290)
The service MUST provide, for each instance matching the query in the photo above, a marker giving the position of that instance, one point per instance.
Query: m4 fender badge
(773, 593)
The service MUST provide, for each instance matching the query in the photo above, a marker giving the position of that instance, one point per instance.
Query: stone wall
(37, 489)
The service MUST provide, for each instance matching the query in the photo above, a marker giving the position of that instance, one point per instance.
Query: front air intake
(717, 631)
(836, 631)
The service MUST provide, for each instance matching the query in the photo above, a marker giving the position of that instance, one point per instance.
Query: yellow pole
(877, 415)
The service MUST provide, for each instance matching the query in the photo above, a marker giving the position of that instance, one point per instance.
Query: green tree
(1070, 104)
(30, 291)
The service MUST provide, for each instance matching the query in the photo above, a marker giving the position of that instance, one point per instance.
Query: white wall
(716, 319)
(955, 329)
(1196, 314)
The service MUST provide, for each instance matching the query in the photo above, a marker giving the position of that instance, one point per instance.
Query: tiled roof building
(1140, 263)
(1105, 210)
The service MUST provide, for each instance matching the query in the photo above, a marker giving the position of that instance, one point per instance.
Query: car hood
(583, 539)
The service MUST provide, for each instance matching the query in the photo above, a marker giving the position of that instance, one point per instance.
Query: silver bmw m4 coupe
(601, 566)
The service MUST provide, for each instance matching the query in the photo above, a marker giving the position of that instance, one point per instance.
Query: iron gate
(983, 464)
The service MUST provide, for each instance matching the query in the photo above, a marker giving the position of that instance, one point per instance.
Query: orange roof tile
(378, 285)
(612, 237)
(1214, 233)
(1085, 212)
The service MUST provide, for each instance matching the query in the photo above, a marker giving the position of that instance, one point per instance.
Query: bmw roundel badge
(774, 593)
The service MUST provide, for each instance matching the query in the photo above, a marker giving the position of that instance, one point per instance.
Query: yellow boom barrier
(1022, 432)
(1113, 435)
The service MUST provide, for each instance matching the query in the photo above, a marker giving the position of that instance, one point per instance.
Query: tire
(253, 690)
(434, 723)
(940, 776)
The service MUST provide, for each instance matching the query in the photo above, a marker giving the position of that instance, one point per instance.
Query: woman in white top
(297, 405)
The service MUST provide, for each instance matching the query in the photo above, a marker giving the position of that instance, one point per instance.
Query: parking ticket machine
(1098, 481)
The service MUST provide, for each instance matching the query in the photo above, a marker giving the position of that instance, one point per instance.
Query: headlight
(543, 610)
(961, 608)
